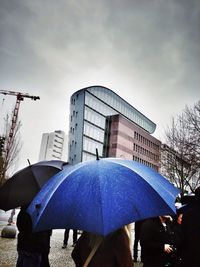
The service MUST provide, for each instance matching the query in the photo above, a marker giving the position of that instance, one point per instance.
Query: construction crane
(19, 97)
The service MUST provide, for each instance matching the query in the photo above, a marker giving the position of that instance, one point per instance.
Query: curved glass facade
(121, 106)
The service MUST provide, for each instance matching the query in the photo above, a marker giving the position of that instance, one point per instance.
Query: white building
(54, 146)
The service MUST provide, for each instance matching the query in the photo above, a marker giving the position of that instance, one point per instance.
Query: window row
(123, 107)
(59, 137)
(145, 141)
(93, 132)
(71, 159)
(73, 99)
(96, 104)
(56, 151)
(73, 143)
(145, 152)
(58, 147)
(74, 114)
(86, 157)
(54, 156)
(94, 117)
(91, 145)
(149, 164)
(58, 141)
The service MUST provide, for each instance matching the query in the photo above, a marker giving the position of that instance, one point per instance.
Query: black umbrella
(22, 187)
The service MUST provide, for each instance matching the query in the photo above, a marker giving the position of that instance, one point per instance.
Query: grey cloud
(148, 48)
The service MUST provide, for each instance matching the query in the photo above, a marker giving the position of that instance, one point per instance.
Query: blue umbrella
(101, 196)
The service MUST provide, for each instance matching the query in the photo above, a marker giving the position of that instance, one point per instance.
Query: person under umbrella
(191, 233)
(32, 248)
(176, 257)
(138, 225)
(66, 237)
(156, 241)
(95, 250)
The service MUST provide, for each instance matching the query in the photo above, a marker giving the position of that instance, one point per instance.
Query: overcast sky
(147, 51)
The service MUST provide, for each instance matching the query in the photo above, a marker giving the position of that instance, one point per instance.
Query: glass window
(119, 106)
(94, 117)
(93, 132)
(98, 105)
(91, 145)
(86, 157)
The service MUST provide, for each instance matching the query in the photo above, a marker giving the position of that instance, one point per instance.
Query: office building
(93, 114)
(54, 146)
(128, 140)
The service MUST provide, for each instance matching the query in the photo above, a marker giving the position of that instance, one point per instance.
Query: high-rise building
(93, 125)
(54, 146)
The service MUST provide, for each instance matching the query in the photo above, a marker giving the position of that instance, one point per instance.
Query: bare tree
(193, 116)
(180, 155)
(10, 154)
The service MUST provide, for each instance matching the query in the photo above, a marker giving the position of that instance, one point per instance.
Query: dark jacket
(191, 236)
(152, 238)
(177, 240)
(114, 251)
(32, 242)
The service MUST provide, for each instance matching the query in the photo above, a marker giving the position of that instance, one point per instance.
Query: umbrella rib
(160, 184)
(101, 198)
(35, 180)
(48, 193)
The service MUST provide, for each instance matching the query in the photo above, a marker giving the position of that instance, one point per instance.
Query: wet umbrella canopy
(22, 187)
(101, 196)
